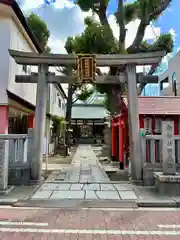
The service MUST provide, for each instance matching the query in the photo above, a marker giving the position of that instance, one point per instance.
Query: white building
(17, 100)
(169, 81)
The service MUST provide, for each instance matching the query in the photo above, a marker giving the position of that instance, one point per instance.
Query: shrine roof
(163, 105)
(88, 111)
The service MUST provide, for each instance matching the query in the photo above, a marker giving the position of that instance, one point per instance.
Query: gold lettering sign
(86, 68)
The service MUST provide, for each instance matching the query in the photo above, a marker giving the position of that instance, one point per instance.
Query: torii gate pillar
(39, 126)
(133, 119)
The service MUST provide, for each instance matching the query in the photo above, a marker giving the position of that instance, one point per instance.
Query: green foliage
(94, 39)
(165, 42)
(86, 5)
(85, 93)
(40, 30)
(130, 12)
(58, 126)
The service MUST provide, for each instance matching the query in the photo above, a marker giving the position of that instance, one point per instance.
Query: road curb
(157, 203)
(77, 204)
(9, 202)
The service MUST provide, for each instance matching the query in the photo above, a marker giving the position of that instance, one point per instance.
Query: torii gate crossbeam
(43, 61)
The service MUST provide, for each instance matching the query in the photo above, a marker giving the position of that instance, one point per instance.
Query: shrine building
(152, 111)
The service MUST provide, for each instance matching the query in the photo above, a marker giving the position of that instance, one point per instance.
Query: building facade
(17, 100)
(88, 119)
(169, 81)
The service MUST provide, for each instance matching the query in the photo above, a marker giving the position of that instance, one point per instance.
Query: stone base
(137, 183)
(7, 190)
(36, 182)
(167, 184)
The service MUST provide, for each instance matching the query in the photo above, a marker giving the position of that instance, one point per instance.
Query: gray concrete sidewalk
(86, 167)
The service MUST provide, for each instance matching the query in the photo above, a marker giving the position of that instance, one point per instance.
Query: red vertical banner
(141, 121)
(31, 121)
(4, 111)
(113, 138)
(121, 144)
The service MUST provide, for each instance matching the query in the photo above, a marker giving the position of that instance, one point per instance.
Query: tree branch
(139, 37)
(101, 12)
(75, 100)
(122, 32)
(159, 9)
(145, 20)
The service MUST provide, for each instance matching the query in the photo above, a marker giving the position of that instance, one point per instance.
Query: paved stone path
(86, 180)
(85, 167)
(82, 191)
(89, 224)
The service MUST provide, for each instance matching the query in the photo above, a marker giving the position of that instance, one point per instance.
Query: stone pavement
(86, 180)
(86, 167)
(81, 191)
(89, 224)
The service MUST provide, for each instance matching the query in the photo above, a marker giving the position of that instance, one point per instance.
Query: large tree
(40, 30)
(98, 36)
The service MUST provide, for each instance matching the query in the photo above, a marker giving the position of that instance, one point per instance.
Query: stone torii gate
(43, 77)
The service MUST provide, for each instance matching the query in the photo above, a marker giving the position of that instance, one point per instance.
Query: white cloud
(57, 46)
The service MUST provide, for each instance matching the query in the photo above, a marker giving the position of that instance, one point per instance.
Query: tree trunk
(114, 106)
(68, 115)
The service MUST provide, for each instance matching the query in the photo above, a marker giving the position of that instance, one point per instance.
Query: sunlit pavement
(124, 224)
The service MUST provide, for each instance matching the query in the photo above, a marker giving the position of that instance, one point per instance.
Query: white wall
(55, 108)
(4, 57)
(173, 67)
(26, 91)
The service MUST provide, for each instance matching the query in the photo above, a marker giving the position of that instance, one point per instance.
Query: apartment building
(17, 100)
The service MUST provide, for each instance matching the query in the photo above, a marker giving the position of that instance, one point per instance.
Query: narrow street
(86, 224)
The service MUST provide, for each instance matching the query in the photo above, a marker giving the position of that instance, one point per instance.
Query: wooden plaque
(86, 68)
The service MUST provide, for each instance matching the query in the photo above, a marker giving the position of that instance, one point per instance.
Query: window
(54, 94)
(59, 102)
(29, 70)
(25, 69)
(174, 84)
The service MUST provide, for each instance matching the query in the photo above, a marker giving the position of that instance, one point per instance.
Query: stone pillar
(39, 127)
(4, 162)
(30, 145)
(133, 120)
(168, 149)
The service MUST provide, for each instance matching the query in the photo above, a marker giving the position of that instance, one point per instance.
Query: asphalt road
(86, 224)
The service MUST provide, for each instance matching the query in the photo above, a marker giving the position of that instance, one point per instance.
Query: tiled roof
(165, 105)
(13, 4)
(88, 111)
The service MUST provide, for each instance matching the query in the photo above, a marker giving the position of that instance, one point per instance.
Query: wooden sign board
(86, 68)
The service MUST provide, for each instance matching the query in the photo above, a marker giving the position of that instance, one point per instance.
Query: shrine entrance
(86, 73)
